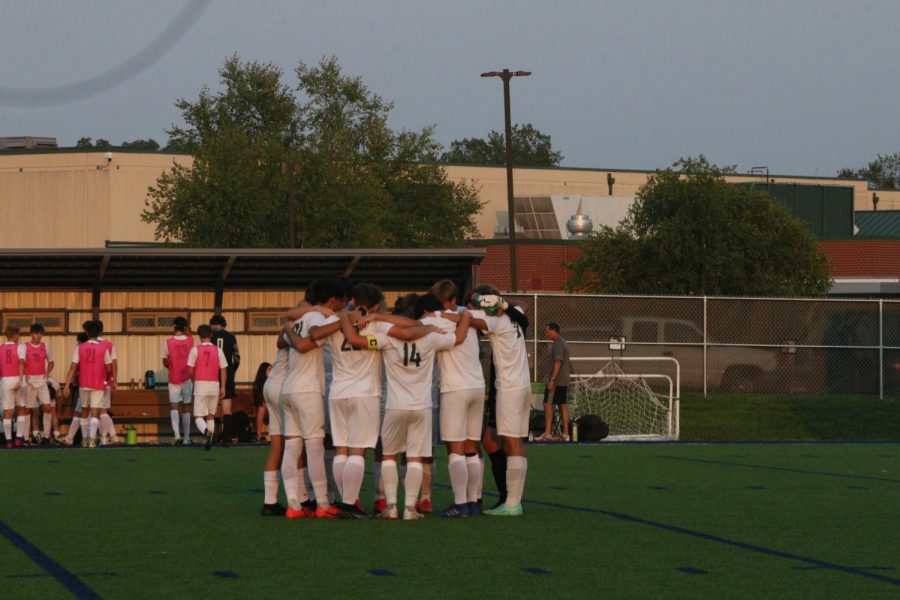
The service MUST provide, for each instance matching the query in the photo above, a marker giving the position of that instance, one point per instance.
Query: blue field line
(783, 469)
(815, 562)
(69, 580)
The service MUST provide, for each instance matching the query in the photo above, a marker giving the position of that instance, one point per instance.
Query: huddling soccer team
(348, 322)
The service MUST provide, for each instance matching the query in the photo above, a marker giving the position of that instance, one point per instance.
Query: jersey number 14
(410, 355)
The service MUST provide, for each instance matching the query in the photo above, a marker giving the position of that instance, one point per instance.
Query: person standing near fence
(557, 384)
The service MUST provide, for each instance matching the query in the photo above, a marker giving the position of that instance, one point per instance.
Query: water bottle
(574, 429)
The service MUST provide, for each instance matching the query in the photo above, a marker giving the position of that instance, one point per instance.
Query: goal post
(642, 405)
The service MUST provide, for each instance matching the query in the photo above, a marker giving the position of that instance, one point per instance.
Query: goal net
(626, 402)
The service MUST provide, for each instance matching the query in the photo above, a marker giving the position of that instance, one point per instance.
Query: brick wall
(540, 265)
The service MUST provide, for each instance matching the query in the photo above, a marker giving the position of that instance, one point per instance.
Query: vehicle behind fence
(772, 345)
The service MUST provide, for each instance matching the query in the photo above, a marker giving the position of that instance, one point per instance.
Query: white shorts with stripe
(181, 393)
(355, 421)
(407, 431)
(462, 413)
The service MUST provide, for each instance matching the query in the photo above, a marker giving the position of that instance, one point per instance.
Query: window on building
(269, 320)
(53, 322)
(151, 321)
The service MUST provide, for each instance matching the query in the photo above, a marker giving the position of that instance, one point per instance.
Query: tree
(530, 148)
(87, 142)
(691, 233)
(882, 173)
(316, 166)
(149, 144)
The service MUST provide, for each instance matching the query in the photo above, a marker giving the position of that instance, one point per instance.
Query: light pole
(506, 75)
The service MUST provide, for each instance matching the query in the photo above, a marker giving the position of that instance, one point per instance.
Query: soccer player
(37, 360)
(207, 367)
(94, 365)
(227, 343)
(107, 427)
(301, 397)
(77, 421)
(271, 391)
(513, 397)
(407, 422)
(174, 356)
(12, 373)
(462, 406)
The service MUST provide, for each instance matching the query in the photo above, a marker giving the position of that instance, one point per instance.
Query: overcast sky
(803, 87)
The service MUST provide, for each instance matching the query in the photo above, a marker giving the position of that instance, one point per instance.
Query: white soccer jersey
(355, 373)
(279, 367)
(305, 371)
(460, 366)
(510, 355)
(409, 367)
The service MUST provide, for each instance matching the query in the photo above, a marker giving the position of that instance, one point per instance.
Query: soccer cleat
(474, 508)
(332, 512)
(186, 441)
(504, 510)
(411, 514)
(296, 513)
(380, 506)
(84, 442)
(92, 443)
(352, 511)
(424, 506)
(273, 510)
(177, 441)
(10, 444)
(389, 513)
(209, 440)
(455, 511)
(19, 442)
(113, 440)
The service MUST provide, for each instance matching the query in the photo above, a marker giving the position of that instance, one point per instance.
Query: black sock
(498, 468)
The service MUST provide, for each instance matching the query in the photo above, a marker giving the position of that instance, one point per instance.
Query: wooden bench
(148, 411)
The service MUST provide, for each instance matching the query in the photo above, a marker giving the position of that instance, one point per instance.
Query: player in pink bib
(93, 363)
(207, 367)
(38, 362)
(11, 379)
(175, 356)
(107, 427)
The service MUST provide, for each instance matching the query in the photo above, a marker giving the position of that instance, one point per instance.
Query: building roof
(195, 268)
(882, 224)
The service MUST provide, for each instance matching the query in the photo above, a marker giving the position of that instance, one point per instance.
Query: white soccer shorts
(462, 413)
(304, 415)
(513, 411)
(13, 398)
(206, 406)
(275, 410)
(181, 393)
(93, 398)
(355, 421)
(36, 390)
(407, 431)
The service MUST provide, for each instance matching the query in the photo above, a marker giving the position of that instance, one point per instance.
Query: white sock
(22, 426)
(107, 426)
(303, 482)
(391, 478)
(354, 473)
(289, 473)
(73, 427)
(186, 425)
(85, 427)
(315, 463)
(270, 486)
(515, 479)
(412, 483)
(337, 470)
(48, 423)
(379, 482)
(201, 425)
(176, 421)
(481, 477)
(474, 479)
(211, 424)
(7, 429)
(459, 477)
(95, 425)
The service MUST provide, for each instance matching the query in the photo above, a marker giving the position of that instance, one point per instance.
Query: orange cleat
(296, 513)
(424, 506)
(327, 513)
(380, 506)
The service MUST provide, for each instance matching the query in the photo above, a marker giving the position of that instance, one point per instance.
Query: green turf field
(637, 521)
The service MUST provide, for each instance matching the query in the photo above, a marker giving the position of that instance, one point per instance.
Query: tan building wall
(83, 200)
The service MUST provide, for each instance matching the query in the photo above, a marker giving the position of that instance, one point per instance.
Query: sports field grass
(667, 520)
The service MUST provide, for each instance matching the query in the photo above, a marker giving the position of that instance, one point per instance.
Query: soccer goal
(642, 405)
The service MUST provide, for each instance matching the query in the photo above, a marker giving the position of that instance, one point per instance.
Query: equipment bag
(592, 428)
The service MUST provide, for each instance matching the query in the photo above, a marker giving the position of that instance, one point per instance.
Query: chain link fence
(771, 345)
